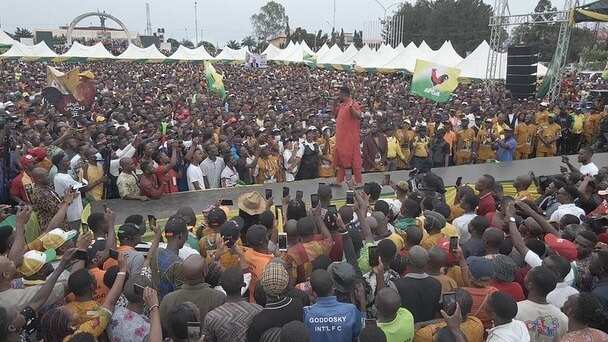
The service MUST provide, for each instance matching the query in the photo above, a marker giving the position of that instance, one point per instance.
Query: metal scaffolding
(501, 20)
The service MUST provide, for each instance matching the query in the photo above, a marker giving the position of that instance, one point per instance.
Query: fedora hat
(252, 203)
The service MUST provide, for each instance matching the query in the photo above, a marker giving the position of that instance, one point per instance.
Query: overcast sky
(219, 20)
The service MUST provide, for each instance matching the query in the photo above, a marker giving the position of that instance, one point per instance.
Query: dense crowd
(413, 267)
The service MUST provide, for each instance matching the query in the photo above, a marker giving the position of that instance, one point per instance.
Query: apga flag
(434, 82)
(72, 92)
(215, 82)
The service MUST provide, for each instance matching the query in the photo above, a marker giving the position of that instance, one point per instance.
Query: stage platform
(199, 200)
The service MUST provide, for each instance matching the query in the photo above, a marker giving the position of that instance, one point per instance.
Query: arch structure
(100, 15)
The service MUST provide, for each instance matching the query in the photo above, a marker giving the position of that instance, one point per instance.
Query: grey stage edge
(200, 200)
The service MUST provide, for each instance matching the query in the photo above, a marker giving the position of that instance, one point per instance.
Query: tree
(209, 47)
(287, 33)
(174, 44)
(463, 22)
(233, 44)
(358, 39)
(270, 21)
(22, 32)
(544, 36)
(187, 43)
(249, 42)
(341, 41)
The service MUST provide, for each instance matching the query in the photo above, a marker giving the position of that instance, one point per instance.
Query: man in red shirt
(148, 182)
(19, 184)
(165, 172)
(485, 186)
(348, 137)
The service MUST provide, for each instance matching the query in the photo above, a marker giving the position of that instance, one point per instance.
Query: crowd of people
(413, 267)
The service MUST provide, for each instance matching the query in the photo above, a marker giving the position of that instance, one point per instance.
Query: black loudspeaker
(521, 71)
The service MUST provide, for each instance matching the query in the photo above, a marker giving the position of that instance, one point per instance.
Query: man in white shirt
(469, 203)
(566, 196)
(584, 158)
(545, 322)
(506, 329)
(561, 267)
(291, 159)
(212, 167)
(194, 173)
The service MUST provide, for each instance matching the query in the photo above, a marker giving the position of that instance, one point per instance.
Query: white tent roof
(135, 52)
(186, 54)
(40, 50)
(476, 63)
(406, 59)
(229, 54)
(426, 50)
(285, 53)
(446, 55)
(333, 54)
(84, 51)
(379, 58)
(306, 48)
(323, 50)
(5, 39)
(271, 52)
(365, 56)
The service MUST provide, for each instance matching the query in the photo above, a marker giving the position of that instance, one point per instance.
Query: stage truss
(503, 19)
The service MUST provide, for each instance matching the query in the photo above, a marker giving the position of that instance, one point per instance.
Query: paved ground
(199, 200)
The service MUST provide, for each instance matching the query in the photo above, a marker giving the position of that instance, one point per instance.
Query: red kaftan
(348, 136)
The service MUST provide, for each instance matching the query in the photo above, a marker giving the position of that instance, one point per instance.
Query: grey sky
(220, 20)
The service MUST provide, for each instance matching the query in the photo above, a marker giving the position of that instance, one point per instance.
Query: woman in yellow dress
(485, 140)
(327, 144)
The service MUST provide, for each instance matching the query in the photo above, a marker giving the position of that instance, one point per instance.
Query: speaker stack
(521, 71)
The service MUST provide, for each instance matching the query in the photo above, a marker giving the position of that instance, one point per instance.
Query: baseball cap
(175, 225)
(274, 279)
(128, 230)
(216, 217)
(57, 237)
(34, 260)
(563, 247)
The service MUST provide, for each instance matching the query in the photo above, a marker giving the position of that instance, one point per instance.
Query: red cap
(26, 161)
(563, 247)
(39, 153)
(444, 244)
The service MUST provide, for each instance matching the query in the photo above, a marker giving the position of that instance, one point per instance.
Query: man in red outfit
(348, 136)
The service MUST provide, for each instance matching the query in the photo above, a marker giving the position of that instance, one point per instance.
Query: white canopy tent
(135, 52)
(186, 54)
(97, 51)
(365, 56)
(5, 39)
(405, 60)
(40, 50)
(284, 53)
(333, 54)
(271, 52)
(476, 63)
(425, 50)
(229, 54)
(322, 51)
(446, 55)
(306, 48)
(347, 57)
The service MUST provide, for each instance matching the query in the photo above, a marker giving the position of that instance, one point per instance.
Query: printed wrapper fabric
(434, 82)
(215, 81)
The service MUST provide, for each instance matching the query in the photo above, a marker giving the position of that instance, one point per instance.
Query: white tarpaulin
(5, 39)
(425, 51)
(40, 50)
(446, 55)
(186, 54)
(271, 52)
(135, 52)
(322, 51)
(229, 54)
(332, 55)
(405, 60)
(82, 51)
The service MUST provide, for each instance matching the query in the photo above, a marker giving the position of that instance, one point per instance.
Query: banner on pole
(434, 82)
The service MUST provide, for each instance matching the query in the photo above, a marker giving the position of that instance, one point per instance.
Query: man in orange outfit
(348, 137)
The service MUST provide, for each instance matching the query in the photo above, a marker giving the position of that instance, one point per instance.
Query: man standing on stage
(348, 136)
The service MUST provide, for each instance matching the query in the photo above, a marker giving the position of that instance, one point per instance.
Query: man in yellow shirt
(591, 126)
(524, 134)
(578, 122)
(485, 142)
(465, 143)
(420, 148)
(394, 154)
(547, 138)
(405, 136)
(92, 171)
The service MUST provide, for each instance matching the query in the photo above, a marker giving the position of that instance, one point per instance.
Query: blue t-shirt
(331, 321)
(506, 153)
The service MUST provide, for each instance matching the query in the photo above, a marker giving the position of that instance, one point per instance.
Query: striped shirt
(229, 322)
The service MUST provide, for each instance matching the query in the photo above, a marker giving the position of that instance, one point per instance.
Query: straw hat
(252, 203)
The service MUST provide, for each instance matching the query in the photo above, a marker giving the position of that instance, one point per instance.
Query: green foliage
(358, 39)
(545, 36)
(233, 44)
(270, 21)
(249, 42)
(209, 47)
(187, 43)
(463, 22)
(22, 32)
(174, 44)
